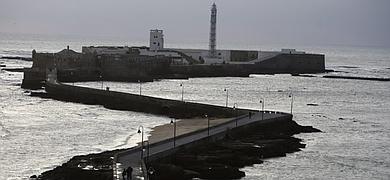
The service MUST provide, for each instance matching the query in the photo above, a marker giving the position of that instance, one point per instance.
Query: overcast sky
(306, 22)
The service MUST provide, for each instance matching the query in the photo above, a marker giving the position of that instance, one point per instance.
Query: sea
(38, 134)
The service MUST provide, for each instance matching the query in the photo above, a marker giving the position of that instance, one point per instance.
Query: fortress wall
(43, 60)
(220, 70)
(73, 66)
(32, 78)
(133, 67)
(294, 63)
(282, 63)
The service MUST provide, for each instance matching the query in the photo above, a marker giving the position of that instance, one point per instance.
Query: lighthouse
(213, 32)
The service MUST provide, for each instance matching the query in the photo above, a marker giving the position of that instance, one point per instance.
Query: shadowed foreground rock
(85, 167)
(218, 160)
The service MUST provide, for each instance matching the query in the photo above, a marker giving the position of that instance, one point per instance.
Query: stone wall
(132, 67)
(294, 63)
(281, 63)
(243, 56)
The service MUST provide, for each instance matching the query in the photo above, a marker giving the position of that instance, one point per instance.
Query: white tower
(213, 32)
(156, 40)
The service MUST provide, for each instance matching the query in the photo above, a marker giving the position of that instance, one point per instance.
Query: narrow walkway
(133, 157)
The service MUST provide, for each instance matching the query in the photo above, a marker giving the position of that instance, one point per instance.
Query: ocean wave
(3, 131)
(126, 141)
(348, 67)
(21, 53)
(358, 77)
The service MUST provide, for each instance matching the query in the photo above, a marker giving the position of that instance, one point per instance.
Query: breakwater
(242, 122)
(210, 158)
(139, 103)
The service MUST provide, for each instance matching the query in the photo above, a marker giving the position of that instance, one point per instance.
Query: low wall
(173, 108)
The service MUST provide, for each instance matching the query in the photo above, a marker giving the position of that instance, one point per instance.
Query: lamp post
(262, 108)
(235, 114)
(72, 77)
(150, 171)
(182, 91)
(101, 79)
(173, 121)
(142, 140)
(140, 87)
(148, 152)
(291, 95)
(227, 96)
(208, 124)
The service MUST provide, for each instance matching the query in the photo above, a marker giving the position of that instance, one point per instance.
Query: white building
(292, 51)
(156, 40)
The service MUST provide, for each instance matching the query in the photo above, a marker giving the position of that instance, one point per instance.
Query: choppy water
(38, 134)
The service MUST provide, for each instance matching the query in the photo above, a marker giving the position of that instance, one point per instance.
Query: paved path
(133, 157)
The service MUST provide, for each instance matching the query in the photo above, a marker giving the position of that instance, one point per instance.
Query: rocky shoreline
(358, 78)
(214, 160)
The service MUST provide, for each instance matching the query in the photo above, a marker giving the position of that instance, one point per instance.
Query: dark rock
(75, 169)
(188, 174)
(220, 172)
(357, 78)
(168, 171)
(13, 69)
(309, 129)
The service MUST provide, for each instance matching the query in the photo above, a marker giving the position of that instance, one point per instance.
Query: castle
(156, 62)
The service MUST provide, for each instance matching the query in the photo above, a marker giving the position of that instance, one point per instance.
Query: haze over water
(38, 134)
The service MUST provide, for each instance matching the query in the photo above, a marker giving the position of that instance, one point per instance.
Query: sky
(302, 22)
